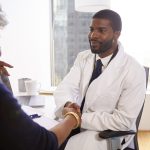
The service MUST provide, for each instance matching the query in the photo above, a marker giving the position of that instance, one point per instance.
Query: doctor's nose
(94, 35)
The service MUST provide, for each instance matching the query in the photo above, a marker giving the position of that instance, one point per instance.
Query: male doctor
(111, 101)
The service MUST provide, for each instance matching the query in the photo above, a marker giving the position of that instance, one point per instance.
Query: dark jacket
(18, 131)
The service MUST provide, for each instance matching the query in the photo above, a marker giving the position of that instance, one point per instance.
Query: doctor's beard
(104, 46)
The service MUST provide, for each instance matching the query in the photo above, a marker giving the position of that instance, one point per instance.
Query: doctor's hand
(3, 70)
(72, 105)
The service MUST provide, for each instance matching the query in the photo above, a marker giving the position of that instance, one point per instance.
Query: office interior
(27, 42)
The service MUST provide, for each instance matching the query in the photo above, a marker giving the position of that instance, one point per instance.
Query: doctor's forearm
(105, 121)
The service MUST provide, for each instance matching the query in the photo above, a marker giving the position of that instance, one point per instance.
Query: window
(71, 29)
(70, 36)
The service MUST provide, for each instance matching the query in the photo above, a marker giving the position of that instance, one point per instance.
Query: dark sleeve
(18, 131)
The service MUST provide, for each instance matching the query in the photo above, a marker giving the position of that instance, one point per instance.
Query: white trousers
(86, 140)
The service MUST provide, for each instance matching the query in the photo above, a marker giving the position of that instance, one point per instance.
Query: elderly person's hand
(74, 110)
(3, 70)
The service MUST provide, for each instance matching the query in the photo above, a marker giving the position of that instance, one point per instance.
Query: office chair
(113, 137)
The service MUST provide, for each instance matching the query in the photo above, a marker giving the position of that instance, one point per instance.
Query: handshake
(72, 109)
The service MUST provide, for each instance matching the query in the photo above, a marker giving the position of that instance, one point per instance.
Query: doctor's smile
(95, 44)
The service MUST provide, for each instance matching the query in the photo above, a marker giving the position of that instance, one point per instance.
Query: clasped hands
(72, 109)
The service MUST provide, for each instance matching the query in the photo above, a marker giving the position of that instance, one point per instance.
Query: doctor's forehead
(100, 23)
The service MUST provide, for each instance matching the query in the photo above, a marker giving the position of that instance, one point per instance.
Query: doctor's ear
(117, 34)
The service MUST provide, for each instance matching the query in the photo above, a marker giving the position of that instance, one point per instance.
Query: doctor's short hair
(3, 20)
(112, 16)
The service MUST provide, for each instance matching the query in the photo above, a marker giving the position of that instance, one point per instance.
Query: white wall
(26, 40)
(136, 31)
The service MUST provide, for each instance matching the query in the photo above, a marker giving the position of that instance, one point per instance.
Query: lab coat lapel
(87, 73)
(107, 78)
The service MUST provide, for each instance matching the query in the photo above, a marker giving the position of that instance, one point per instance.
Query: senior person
(18, 131)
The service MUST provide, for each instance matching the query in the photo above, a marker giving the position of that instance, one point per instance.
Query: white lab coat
(113, 100)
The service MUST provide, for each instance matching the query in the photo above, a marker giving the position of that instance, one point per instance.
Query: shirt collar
(104, 60)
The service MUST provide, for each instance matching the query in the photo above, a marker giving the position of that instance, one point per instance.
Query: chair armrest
(110, 133)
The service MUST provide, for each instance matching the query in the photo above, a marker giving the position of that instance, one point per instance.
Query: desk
(46, 107)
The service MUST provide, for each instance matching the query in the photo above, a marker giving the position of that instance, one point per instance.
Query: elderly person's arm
(71, 121)
(22, 133)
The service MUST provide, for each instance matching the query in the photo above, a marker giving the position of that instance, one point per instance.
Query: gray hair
(3, 20)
